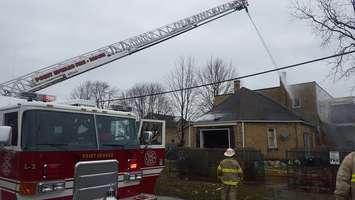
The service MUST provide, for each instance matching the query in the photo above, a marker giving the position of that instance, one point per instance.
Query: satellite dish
(285, 135)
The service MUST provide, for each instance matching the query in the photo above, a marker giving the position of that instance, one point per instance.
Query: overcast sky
(38, 33)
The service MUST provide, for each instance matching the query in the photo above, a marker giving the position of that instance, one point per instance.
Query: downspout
(189, 134)
(295, 125)
(243, 134)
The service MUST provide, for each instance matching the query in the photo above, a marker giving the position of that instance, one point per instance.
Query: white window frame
(299, 101)
(202, 142)
(2, 123)
(153, 146)
(274, 133)
(307, 137)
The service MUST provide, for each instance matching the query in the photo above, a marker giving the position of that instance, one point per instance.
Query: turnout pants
(229, 192)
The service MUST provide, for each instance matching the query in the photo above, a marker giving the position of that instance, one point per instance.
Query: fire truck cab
(52, 151)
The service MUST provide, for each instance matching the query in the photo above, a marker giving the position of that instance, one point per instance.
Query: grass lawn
(199, 190)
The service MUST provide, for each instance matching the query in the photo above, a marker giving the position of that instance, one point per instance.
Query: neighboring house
(250, 119)
(171, 130)
(340, 124)
(342, 111)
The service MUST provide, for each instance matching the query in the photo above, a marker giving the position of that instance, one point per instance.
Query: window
(215, 138)
(50, 130)
(156, 128)
(271, 138)
(308, 141)
(296, 102)
(11, 120)
(116, 132)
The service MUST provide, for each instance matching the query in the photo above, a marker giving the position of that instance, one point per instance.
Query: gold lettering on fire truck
(30, 166)
(150, 158)
(96, 155)
(6, 164)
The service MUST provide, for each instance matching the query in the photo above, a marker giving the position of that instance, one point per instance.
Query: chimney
(285, 94)
(283, 80)
(236, 86)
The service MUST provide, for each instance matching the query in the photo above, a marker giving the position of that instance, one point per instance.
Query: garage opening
(215, 138)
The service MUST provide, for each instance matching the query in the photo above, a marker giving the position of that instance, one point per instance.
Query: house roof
(289, 85)
(249, 105)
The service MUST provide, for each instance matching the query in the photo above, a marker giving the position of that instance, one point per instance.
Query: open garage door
(215, 138)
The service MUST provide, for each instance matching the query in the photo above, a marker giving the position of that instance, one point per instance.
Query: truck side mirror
(5, 135)
(147, 137)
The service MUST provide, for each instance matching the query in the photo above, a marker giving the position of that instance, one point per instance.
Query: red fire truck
(45, 148)
(53, 151)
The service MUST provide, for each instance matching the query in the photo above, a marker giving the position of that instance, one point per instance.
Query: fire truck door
(152, 134)
(152, 139)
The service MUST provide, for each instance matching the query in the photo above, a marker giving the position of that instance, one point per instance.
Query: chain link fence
(312, 171)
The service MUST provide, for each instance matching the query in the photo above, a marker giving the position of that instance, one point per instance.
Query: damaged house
(249, 119)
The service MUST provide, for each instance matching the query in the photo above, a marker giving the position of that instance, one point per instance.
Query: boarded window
(271, 138)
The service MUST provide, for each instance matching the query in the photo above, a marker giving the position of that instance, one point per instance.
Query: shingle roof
(249, 105)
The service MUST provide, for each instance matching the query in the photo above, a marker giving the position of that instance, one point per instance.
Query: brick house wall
(278, 94)
(307, 95)
(255, 136)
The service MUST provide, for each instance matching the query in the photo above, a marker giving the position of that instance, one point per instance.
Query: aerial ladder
(69, 68)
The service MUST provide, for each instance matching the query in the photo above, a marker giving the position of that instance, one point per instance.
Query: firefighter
(231, 174)
(345, 182)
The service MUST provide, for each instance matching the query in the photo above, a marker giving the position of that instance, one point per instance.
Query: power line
(236, 78)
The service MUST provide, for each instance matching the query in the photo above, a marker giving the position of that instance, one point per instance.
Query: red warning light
(48, 98)
(37, 97)
(133, 164)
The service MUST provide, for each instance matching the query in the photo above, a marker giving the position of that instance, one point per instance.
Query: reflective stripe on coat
(230, 172)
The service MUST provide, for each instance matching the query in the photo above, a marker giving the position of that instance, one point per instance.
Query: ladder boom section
(56, 73)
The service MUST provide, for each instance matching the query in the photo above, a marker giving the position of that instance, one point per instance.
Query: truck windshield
(53, 130)
(116, 132)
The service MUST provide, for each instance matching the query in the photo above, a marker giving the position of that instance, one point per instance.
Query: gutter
(232, 123)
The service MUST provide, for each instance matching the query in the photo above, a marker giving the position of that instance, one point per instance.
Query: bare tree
(334, 22)
(183, 76)
(97, 91)
(158, 104)
(83, 91)
(102, 91)
(148, 105)
(216, 70)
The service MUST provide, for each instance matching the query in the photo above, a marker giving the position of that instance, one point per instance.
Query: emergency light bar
(30, 96)
(121, 108)
(80, 102)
